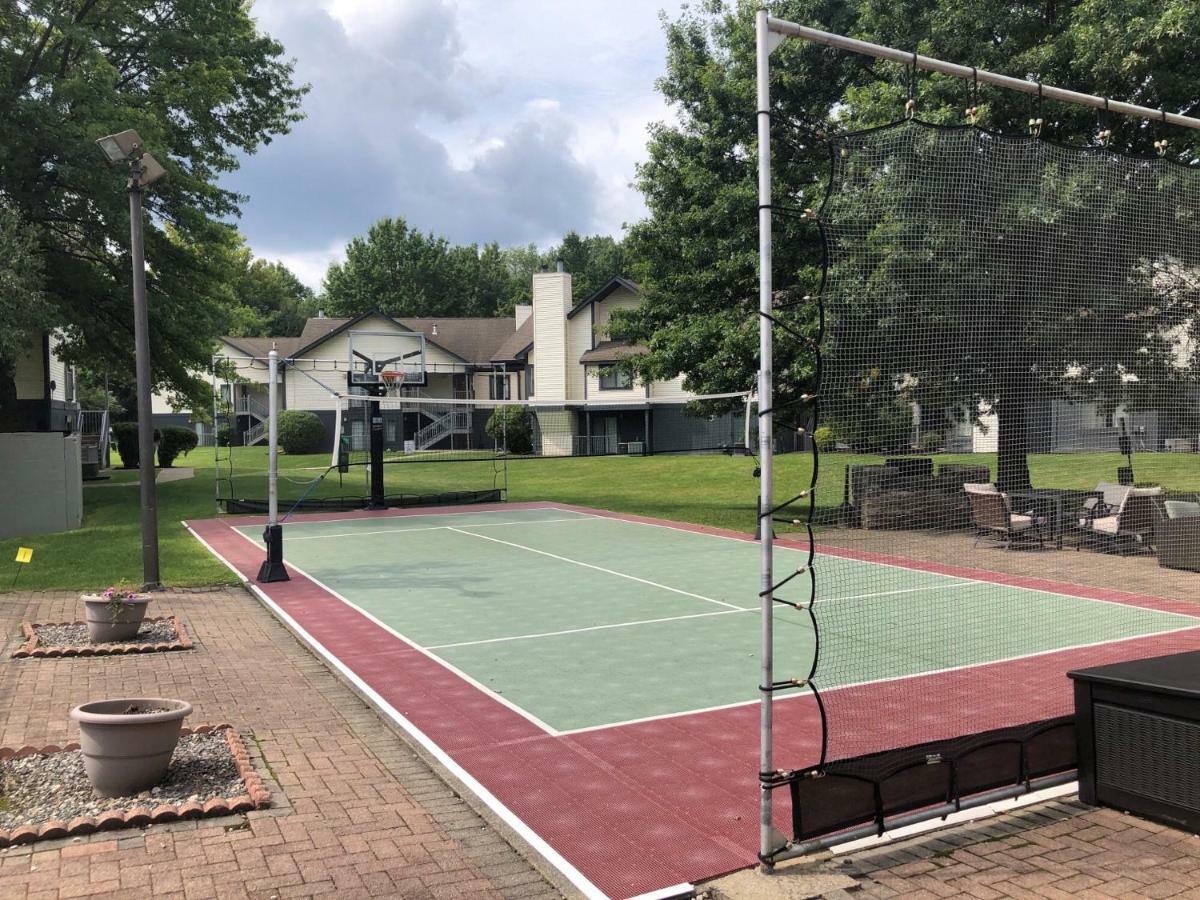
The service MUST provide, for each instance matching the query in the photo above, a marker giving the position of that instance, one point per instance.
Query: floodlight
(123, 145)
(152, 170)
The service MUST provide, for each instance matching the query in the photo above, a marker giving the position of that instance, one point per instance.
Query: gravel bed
(75, 634)
(36, 789)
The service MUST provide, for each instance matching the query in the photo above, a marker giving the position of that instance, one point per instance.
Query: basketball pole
(273, 568)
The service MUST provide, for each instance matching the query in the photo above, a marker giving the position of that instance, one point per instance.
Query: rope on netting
(973, 97)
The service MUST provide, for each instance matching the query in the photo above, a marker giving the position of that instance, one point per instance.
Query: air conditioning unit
(1138, 728)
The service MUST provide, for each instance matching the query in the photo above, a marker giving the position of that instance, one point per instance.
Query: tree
(268, 300)
(201, 85)
(696, 254)
(24, 310)
(401, 271)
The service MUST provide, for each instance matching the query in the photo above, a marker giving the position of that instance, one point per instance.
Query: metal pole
(141, 340)
(930, 64)
(767, 832)
(273, 568)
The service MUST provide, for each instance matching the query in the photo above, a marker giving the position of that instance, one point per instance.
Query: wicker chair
(994, 519)
(1129, 523)
(1177, 537)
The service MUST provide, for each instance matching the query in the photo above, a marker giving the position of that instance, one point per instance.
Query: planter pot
(126, 751)
(106, 625)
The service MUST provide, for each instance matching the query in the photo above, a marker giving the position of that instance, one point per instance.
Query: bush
(300, 431)
(930, 441)
(126, 436)
(512, 428)
(824, 437)
(226, 435)
(175, 441)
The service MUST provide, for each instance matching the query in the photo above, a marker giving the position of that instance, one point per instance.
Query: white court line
(871, 562)
(905, 677)
(542, 634)
(922, 589)
(321, 537)
(484, 537)
(486, 797)
(446, 515)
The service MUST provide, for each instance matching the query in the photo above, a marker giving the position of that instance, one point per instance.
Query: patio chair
(1177, 537)
(994, 519)
(1127, 522)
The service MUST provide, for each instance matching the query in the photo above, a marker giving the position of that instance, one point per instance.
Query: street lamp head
(121, 146)
(151, 170)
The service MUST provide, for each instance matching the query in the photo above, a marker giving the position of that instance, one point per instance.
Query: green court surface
(584, 621)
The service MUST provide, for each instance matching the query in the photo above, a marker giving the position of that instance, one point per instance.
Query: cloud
(479, 121)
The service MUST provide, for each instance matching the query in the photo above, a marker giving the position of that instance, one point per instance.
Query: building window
(614, 379)
(529, 381)
(498, 387)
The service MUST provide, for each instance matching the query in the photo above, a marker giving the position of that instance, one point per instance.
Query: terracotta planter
(107, 623)
(126, 751)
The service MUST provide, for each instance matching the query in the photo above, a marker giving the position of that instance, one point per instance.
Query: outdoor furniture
(992, 516)
(1128, 521)
(1047, 503)
(1177, 537)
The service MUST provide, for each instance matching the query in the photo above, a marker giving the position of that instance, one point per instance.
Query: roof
(260, 347)
(517, 344)
(475, 340)
(607, 288)
(612, 351)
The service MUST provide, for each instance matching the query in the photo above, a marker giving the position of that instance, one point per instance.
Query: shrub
(126, 436)
(824, 437)
(175, 441)
(512, 428)
(300, 431)
(930, 441)
(226, 435)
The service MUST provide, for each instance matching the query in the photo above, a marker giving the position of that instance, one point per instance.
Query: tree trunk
(1012, 439)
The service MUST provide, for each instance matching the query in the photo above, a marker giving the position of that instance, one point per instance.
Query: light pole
(144, 170)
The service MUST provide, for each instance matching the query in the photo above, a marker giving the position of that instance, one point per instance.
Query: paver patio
(358, 814)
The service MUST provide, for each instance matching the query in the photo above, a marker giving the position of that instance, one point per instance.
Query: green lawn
(710, 490)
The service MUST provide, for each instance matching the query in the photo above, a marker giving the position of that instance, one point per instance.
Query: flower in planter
(117, 596)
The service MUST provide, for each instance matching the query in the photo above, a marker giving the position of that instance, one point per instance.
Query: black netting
(1010, 407)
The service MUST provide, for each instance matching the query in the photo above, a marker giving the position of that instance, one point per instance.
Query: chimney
(551, 303)
(320, 313)
(558, 266)
(522, 312)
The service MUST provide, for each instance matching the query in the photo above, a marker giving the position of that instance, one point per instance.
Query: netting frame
(770, 32)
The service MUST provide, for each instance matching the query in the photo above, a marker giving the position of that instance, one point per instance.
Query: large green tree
(268, 300)
(401, 271)
(201, 85)
(696, 254)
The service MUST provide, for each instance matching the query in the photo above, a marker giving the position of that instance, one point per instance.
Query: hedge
(175, 441)
(126, 435)
(300, 431)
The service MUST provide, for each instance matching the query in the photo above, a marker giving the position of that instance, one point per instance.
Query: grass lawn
(710, 490)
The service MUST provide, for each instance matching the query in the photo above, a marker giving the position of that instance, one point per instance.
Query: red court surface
(644, 807)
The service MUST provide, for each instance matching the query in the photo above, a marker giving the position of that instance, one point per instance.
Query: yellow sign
(24, 554)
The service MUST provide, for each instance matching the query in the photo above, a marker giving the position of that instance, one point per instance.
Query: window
(529, 381)
(614, 379)
(498, 387)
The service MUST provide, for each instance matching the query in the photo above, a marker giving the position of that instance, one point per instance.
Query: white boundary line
(511, 819)
(526, 637)
(322, 537)
(484, 537)
(292, 523)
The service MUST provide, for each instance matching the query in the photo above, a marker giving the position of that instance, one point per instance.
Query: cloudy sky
(480, 120)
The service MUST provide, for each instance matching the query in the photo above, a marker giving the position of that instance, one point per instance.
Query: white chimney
(522, 312)
(551, 303)
(434, 329)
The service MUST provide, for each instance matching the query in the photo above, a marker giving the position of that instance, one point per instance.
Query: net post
(272, 568)
(766, 483)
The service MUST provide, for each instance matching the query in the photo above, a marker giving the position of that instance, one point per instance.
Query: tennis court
(593, 677)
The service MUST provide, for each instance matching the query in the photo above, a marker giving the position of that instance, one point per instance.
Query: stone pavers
(357, 813)
(1057, 849)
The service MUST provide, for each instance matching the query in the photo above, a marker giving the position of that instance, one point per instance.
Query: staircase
(456, 421)
(92, 427)
(248, 406)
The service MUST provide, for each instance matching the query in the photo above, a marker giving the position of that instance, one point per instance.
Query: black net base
(871, 789)
(352, 502)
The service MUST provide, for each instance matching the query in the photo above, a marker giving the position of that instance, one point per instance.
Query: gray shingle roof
(612, 351)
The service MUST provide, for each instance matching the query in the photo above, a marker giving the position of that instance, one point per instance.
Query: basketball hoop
(393, 381)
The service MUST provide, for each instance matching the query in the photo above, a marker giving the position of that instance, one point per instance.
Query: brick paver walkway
(360, 815)
(1058, 849)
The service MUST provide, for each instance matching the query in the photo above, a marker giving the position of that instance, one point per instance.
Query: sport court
(596, 676)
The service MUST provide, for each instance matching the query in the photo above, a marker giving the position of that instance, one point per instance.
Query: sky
(479, 120)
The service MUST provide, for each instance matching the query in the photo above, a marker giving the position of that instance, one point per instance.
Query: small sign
(24, 554)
